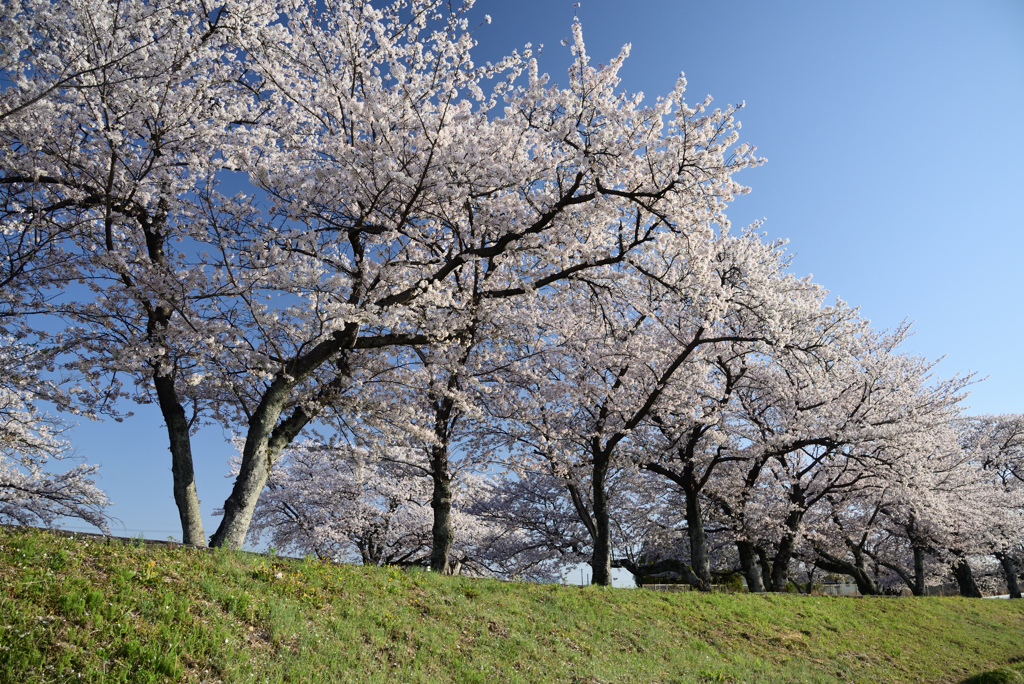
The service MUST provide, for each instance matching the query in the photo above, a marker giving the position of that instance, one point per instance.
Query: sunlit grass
(72, 610)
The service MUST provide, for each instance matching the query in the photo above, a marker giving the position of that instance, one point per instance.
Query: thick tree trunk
(640, 571)
(185, 494)
(965, 579)
(442, 533)
(1010, 572)
(263, 444)
(780, 565)
(866, 584)
(751, 569)
(699, 560)
(266, 439)
(784, 553)
(918, 589)
(441, 502)
(601, 562)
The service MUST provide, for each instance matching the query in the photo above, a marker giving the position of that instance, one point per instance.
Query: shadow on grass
(1013, 674)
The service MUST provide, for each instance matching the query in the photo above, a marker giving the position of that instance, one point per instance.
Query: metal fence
(667, 587)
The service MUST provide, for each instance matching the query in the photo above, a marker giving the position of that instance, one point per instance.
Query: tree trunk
(185, 494)
(158, 320)
(699, 560)
(965, 579)
(441, 501)
(266, 439)
(639, 571)
(1010, 571)
(780, 565)
(751, 570)
(866, 584)
(809, 587)
(766, 566)
(916, 582)
(784, 554)
(442, 533)
(263, 444)
(918, 589)
(687, 482)
(601, 563)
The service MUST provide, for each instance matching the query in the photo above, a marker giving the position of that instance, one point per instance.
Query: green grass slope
(86, 611)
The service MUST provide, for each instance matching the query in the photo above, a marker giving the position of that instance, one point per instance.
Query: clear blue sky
(894, 138)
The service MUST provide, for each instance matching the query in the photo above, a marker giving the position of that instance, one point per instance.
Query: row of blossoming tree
(459, 316)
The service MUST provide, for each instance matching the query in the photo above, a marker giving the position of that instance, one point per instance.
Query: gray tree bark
(784, 553)
(263, 444)
(442, 532)
(965, 579)
(186, 497)
(1010, 572)
(158, 318)
(699, 560)
(751, 569)
(267, 437)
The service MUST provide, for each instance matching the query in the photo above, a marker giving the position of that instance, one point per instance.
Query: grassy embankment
(84, 611)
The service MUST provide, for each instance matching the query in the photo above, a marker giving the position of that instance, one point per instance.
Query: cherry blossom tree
(116, 112)
(534, 520)
(996, 446)
(374, 504)
(931, 509)
(396, 178)
(435, 261)
(339, 502)
(571, 413)
(428, 403)
(830, 423)
(392, 174)
(694, 431)
(635, 347)
(904, 520)
(440, 387)
(29, 439)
